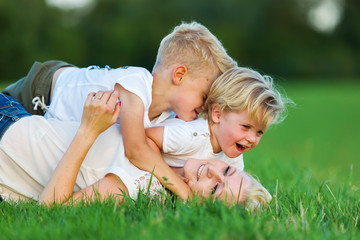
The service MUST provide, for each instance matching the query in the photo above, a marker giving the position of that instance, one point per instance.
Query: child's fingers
(186, 180)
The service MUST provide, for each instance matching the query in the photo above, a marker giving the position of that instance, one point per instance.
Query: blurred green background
(310, 47)
(285, 38)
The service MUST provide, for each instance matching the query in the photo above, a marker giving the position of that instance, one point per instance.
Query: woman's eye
(213, 189)
(226, 170)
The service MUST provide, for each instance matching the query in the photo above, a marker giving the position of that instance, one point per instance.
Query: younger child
(240, 107)
(189, 59)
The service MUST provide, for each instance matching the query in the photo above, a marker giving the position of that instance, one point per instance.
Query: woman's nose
(213, 172)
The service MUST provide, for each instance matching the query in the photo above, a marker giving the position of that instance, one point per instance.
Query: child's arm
(99, 114)
(136, 148)
(154, 137)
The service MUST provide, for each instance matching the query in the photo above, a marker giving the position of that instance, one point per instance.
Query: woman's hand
(100, 112)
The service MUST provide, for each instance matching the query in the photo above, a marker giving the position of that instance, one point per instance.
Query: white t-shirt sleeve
(177, 140)
(138, 82)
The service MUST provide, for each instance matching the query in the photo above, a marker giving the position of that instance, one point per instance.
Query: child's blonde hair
(241, 89)
(193, 45)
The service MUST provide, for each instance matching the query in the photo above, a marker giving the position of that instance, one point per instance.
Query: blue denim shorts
(10, 112)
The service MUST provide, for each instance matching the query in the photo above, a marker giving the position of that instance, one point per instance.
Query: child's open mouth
(240, 147)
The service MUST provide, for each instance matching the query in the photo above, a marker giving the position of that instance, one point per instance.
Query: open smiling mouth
(196, 112)
(200, 171)
(240, 147)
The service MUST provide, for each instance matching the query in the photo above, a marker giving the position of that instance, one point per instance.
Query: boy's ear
(179, 74)
(215, 113)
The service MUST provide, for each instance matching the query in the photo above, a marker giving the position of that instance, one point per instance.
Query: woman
(33, 162)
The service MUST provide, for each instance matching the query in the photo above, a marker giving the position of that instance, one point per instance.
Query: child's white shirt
(183, 140)
(74, 84)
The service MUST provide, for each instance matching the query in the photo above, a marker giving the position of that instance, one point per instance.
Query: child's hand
(100, 112)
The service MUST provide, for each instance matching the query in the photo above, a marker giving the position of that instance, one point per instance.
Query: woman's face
(216, 178)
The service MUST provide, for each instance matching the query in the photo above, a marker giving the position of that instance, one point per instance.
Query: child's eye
(260, 133)
(213, 189)
(226, 170)
(246, 126)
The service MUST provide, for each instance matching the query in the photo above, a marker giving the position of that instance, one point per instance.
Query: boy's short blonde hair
(241, 89)
(193, 45)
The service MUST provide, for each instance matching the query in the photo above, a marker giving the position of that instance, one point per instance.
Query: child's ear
(179, 74)
(215, 113)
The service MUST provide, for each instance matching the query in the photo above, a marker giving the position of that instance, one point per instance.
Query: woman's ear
(179, 74)
(215, 113)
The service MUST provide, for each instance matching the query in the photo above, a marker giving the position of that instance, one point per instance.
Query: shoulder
(131, 71)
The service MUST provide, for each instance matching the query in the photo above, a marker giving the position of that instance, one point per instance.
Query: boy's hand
(100, 112)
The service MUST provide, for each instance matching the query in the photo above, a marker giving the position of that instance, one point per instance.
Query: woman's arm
(99, 114)
(110, 185)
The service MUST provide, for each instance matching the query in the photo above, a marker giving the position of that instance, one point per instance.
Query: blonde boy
(240, 107)
(189, 59)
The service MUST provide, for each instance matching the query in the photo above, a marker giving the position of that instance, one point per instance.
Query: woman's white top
(74, 84)
(183, 140)
(32, 147)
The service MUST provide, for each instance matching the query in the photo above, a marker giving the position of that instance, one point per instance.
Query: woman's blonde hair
(240, 89)
(196, 47)
(256, 196)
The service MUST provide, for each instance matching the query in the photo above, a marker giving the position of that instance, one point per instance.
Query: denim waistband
(10, 112)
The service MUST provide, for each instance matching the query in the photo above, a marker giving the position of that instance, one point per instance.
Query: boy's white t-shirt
(74, 84)
(183, 140)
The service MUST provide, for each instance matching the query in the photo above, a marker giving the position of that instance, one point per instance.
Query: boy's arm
(137, 149)
(155, 138)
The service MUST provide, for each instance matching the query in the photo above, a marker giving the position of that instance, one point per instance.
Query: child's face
(190, 96)
(235, 133)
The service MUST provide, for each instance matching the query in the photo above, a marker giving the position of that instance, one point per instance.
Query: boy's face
(235, 132)
(191, 94)
(215, 178)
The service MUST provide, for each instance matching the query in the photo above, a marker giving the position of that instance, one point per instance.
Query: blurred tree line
(272, 36)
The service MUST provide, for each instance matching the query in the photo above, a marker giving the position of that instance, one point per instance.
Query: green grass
(310, 164)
